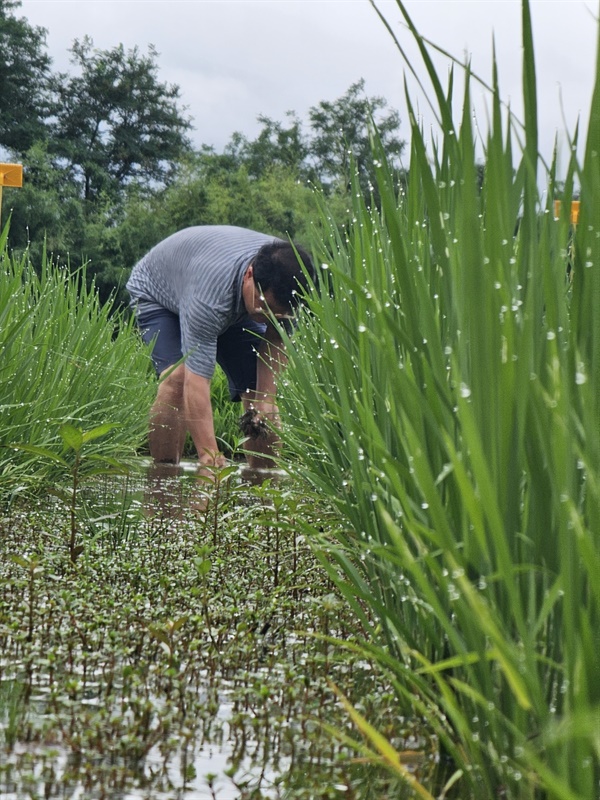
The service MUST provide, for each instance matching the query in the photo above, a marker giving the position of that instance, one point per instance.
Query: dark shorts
(236, 347)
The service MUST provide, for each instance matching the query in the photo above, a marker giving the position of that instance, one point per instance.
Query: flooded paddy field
(185, 652)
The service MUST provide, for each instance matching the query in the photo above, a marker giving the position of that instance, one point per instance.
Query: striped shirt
(197, 274)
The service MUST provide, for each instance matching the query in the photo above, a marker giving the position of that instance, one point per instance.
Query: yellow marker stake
(557, 208)
(10, 175)
(575, 207)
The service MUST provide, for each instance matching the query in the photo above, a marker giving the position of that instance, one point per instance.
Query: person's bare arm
(199, 418)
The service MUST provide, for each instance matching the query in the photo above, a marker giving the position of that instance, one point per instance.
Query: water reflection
(173, 489)
(164, 489)
(256, 477)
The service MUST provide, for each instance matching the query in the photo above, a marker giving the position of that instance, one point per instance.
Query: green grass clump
(226, 415)
(445, 394)
(66, 359)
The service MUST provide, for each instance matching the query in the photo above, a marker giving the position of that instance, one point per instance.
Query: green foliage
(68, 362)
(341, 137)
(114, 121)
(46, 212)
(84, 140)
(445, 393)
(226, 414)
(78, 467)
(205, 191)
(24, 72)
(109, 170)
(12, 711)
(210, 191)
(275, 145)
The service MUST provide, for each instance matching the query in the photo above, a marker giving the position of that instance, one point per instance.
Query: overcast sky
(236, 59)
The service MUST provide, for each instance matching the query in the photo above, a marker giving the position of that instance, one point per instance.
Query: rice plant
(444, 393)
(226, 415)
(66, 359)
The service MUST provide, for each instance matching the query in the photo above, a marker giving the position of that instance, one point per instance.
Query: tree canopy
(114, 121)
(338, 135)
(341, 132)
(24, 74)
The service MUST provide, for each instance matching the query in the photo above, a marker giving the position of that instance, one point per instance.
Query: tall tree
(114, 121)
(341, 130)
(24, 74)
(276, 145)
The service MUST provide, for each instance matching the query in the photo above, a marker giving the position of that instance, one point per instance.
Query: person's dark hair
(277, 269)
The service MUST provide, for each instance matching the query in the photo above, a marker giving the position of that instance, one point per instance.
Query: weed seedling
(78, 467)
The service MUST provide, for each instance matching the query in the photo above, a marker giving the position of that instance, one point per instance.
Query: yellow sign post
(574, 221)
(574, 210)
(10, 175)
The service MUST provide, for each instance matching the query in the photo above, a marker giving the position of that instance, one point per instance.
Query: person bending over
(208, 295)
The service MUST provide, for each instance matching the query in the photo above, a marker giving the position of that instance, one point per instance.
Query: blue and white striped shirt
(197, 274)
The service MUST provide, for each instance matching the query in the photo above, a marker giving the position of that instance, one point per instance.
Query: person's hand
(259, 420)
(258, 425)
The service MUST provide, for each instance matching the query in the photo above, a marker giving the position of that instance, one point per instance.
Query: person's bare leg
(167, 421)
